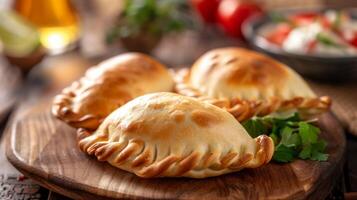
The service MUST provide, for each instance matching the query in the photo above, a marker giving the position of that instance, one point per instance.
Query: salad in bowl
(328, 33)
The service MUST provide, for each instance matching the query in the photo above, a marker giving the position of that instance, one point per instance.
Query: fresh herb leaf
(318, 156)
(317, 150)
(275, 138)
(255, 127)
(320, 145)
(305, 153)
(283, 154)
(275, 130)
(308, 133)
(289, 138)
(293, 138)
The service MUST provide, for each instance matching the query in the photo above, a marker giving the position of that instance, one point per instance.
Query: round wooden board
(45, 149)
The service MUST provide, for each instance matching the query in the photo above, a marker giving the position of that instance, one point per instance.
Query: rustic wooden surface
(344, 102)
(44, 149)
(12, 91)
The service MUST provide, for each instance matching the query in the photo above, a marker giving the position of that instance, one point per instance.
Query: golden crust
(108, 86)
(144, 137)
(247, 83)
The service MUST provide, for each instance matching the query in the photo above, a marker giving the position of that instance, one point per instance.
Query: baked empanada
(166, 134)
(247, 83)
(108, 86)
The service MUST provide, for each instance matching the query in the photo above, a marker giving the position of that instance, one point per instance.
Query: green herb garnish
(293, 138)
(326, 40)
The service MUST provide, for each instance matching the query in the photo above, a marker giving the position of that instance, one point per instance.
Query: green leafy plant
(277, 17)
(293, 138)
(326, 40)
(154, 17)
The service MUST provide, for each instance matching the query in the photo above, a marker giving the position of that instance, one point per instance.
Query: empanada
(166, 134)
(247, 83)
(108, 86)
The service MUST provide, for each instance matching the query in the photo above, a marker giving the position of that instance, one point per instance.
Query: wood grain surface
(45, 149)
(344, 102)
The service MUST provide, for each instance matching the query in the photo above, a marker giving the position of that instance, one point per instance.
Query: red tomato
(348, 36)
(304, 18)
(308, 18)
(311, 46)
(279, 35)
(325, 22)
(232, 13)
(353, 41)
(207, 9)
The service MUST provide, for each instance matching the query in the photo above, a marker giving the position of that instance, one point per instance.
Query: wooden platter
(44, 148)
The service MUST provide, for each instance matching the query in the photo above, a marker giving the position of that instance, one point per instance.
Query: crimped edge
(245, 109)
(61, 108)
(134, 149)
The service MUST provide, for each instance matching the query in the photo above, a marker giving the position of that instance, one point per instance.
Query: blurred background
(101, 28)
(37, 29)
(46, 44)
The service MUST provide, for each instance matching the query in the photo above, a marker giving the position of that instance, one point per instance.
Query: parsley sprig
(293, 138)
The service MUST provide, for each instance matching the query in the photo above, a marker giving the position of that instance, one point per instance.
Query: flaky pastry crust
(108, 86)
(247, 84)
(169, 135)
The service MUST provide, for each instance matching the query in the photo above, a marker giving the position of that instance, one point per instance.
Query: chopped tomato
(325, 22)
(308, 18)
(353, 41)
(348, 36)
(311, 46)
(303, 18)
(279, 35)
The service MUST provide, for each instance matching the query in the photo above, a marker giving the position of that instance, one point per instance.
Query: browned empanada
(108, 86)
(247, 83)
(166, 134)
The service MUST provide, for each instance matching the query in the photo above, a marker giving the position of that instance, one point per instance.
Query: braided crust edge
(245, 109)
(62, 108)
(137, 157)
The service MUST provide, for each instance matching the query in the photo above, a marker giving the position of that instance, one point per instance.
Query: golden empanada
(108, 86)
(247, 83)
(166, 134)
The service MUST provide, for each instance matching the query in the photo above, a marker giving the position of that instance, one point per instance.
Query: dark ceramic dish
(316, 67)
